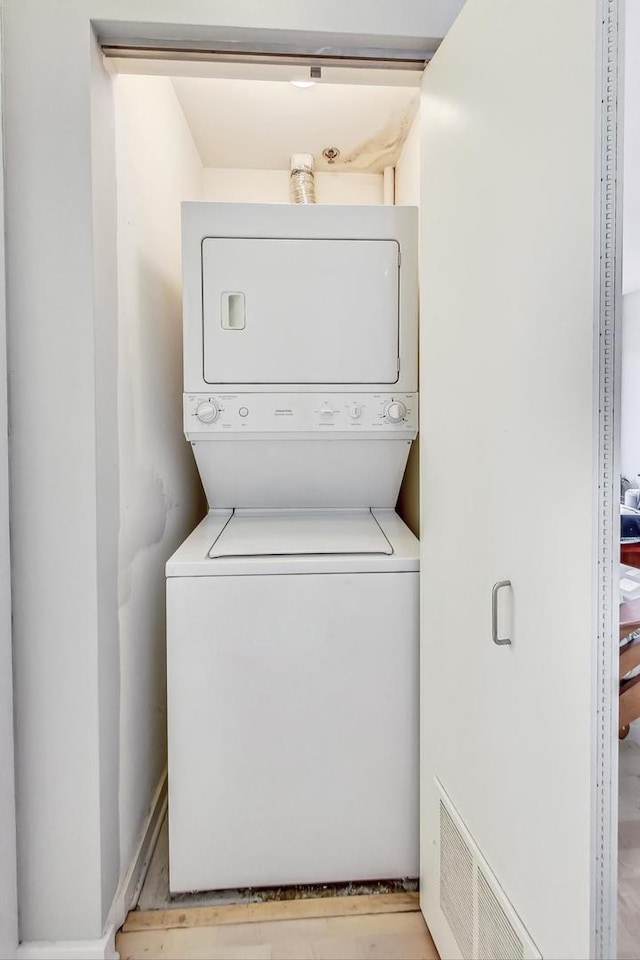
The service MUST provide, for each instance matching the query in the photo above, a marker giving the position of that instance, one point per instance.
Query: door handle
(494, 612)
(232, 310)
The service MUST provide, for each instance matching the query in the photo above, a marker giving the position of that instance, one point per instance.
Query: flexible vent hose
(303, 189)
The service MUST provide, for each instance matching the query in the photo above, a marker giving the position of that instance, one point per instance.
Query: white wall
(62, 338)
(630, 395)
(160, 492)
(272, 186)
(105, 285)
(630, 389)
(631, 186)
(8, 878)
(408, 167)
(52, 353)
(408, 192)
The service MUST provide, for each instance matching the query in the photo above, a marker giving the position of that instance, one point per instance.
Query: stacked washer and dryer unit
(292, 609)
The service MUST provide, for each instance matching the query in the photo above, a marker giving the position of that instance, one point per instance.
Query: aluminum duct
(301, 178)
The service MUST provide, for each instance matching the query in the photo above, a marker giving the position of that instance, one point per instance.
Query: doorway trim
(608, 308)
(608, 301)
(8, 857)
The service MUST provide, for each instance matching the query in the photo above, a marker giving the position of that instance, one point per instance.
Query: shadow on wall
(409, 500)
(161, 501)
(630, 388)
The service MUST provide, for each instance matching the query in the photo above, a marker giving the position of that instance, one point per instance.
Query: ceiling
(258, 124)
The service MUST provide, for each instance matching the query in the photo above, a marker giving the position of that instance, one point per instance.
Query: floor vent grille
(456, 883)
(482, 921)
(497, 939)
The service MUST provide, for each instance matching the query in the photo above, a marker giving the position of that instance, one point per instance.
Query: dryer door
(300, 311)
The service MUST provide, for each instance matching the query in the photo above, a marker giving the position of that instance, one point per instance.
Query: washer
(293, 699)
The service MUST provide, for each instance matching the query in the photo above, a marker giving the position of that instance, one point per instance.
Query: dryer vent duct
(301, 178)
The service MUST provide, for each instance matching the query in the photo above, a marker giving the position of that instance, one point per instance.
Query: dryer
(292, 609)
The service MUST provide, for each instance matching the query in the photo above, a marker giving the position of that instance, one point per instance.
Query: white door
(8, 879)
(509, 371)
(300, 311)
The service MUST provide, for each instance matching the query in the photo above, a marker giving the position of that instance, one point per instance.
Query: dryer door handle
(232, 312)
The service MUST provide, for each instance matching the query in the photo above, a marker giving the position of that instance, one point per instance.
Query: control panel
(341, 413)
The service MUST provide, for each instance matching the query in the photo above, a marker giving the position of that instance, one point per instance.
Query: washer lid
(255, 533)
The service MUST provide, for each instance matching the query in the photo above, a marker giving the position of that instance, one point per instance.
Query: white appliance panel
(342, 304)
(278, 533)
(346, 415)
(279, 473)
(301, 449)
(300, 311)
(191, 559)
(307, 717)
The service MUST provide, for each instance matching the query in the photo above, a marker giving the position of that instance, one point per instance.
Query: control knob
(355, 411)
(207, 411)
(326, 412)
(395, 411)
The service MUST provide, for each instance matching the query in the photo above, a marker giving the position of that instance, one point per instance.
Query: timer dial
(208, 411)
(395, 411)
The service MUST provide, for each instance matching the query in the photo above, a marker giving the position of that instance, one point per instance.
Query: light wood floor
(263, 936)
(629, 847)
(217, 933)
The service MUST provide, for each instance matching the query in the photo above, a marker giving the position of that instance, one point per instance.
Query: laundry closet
(215, 141)
(491, 615)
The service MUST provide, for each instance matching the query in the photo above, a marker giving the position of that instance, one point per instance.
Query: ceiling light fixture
(315, 73)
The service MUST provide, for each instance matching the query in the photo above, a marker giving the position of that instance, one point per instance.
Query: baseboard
(129, 890)
(125, 899)
(102, 949)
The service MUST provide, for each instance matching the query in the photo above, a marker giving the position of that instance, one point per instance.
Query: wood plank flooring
(356, 921)
(629, 847)
(378, 936)
(303, 909)
(319, 929)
